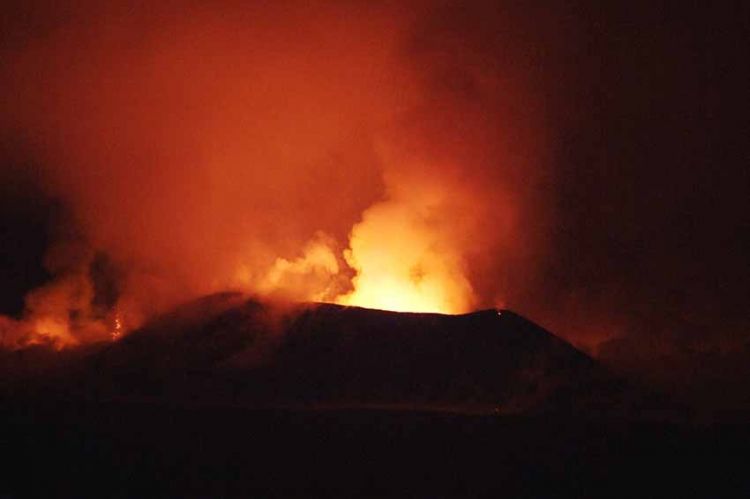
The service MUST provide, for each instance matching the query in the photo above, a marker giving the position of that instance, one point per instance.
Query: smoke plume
(345, 152)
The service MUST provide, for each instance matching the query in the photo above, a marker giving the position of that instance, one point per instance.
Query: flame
(402, 265)
(52, 331)
(117, 328)
(397, 293)
(400, 258)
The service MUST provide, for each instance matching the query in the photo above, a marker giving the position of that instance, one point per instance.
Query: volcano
(228, 349)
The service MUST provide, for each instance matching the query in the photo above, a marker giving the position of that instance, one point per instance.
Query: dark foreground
(142, 450)
(187, 396)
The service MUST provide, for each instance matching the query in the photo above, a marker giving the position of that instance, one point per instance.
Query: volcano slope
(229, 350)
(230, 397)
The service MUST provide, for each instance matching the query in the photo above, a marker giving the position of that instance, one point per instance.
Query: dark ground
(159, 451)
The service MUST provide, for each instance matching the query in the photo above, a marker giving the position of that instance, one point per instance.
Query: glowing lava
(117, 329)
(401, 295)
(403, 263)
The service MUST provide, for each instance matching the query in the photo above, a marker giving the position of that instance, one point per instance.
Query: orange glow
(310, 277)
(403, 265)
(401, 294)
(343, 152)
(49, 330)
(117, 329)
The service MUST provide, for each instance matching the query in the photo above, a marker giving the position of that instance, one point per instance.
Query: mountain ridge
(231, 349)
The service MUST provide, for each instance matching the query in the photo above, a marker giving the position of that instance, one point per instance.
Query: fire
(397, 260)
(402, 264)
(51, 330)
(117, 329)
(393, 292)
(400, 258)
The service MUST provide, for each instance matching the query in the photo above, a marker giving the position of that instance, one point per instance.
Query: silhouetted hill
(228, 349)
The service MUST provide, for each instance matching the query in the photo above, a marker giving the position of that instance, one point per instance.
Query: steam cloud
(309, 151)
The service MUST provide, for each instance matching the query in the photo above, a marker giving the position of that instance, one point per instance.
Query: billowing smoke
(345, 152)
